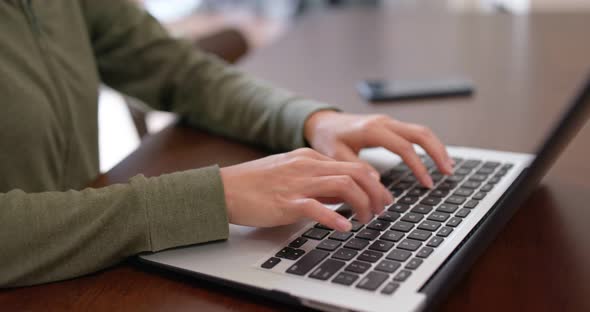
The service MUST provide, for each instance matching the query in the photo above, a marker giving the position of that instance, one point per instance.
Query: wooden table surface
(524, 68)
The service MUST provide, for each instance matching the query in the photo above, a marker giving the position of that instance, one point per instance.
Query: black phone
(390, 90)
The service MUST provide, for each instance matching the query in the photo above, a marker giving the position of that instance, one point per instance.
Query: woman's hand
(341, 136)
(285, 188)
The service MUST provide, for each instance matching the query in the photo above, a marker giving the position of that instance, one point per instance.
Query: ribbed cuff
(184, 208)
(295, 115)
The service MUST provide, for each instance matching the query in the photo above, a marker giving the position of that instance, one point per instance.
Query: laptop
(406, 259)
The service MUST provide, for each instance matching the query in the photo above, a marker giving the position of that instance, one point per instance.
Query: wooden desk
(525, 69)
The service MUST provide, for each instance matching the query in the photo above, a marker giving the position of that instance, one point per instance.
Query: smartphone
(384, 90)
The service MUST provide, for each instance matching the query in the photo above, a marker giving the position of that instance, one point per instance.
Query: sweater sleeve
(58, 235)
(136, 56)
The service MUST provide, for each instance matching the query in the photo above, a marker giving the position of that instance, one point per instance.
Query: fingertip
(343, 225)
(427, 182)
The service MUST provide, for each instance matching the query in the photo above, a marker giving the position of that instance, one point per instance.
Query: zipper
(37, 31)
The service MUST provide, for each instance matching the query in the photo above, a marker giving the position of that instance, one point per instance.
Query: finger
(329, 200)
(362, 174)
(310, 153)
(428, 140)
(312, 209)
(343, 187)
(398, 145)
(345, 153)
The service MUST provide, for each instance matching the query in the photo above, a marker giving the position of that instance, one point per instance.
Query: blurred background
(234, 29)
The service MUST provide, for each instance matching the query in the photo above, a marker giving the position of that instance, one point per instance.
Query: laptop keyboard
(383, 253)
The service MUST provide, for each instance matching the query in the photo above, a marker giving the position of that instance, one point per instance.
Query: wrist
(313, 121)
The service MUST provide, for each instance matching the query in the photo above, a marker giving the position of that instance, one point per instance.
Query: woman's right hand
(284, 188)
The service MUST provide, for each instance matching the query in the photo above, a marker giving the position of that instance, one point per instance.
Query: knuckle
(424, 131)
(304, 151)
(345, 182)
(406, 148)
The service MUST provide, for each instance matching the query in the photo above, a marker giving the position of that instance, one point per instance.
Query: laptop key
(463, 212)
(471, 184)
(380, 245)
(344, 278)
(412, 217)
(429, 225)
(423, 209)
(388, 266)
(446, 186)
(447, 208)
(454, 221)
(357, 243)
(344, 254)
(389, 288)
(471, 163)
(307, 262)
(418, 191)
(329, 245)
(370, 256)
(420, 235)
(463, 192)
(321, 226)
(378, 225)
(317, 234)
(435, 241)
(424, 252)
(270, 263)
(290, 253)
(402, 226)
(507, 166)
(408, 200)
(372, 280)
(298, 242)
(389, 216)
(463, 171)
(399, 255)
(491, 164)
(399, 207)
(414, 264)
(438, 216)
(479, 196)
(455, 200)
(340, 236)
(494, 180)
(478, 177)
(439, 193)
(327, 269)
(455, 178)
(402, 275)
(396, 191)
(486, 188)
(445, 231)
(392, 236)
(409, 244)
(431, 201)
(485, 171)
(356, 226)
(358, 267)
(368, 234)
(471, 204)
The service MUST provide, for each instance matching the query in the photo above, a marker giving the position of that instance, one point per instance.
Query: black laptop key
(389, 216)
(457, 160)
(290, 253)
(380, 245)
(368, 234)
(455, 178)
(424, 252)
(370, 256)
(396, 191)
(315, 233)
(386, 180)
(414, 264)
(399, 255)
(478, 177)
(447, 207)
(487, 188)
(357, 243)
(463, 171)
(402, 185)
(344, 278)
(270, 263)
(392, 236)
(462, 213)
(435, 241)
(439, 193)
(454, 221)
(420, 235)
(507, 166)
(436, 177)
(479, 196)
(399, 207)
(418, 191)
(446, 185)
(471, 163)
(494, 180)
(485, 171)
(388, 266)
(358, 267)
(409, 244)
(423, 209)
(430, 200)
(298, 242)
(372, 280)
(455, 200)
(471, 184)
(390, 288)
(412, 217)
(463, 192)
(340, 236)
(329, 245)
(308, 262)
(321, 226)
(327, 269)
(429, 225)
(438, 216)
(408, 200)
(344, 254)
(402, 275)
(402, 226)
(491, 164)
(410, 179)
(379, 225)
(471, 204)
(444, 231)
(356, 226)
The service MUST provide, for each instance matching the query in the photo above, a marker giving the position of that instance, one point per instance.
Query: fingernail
(343, 225)
(428, 182)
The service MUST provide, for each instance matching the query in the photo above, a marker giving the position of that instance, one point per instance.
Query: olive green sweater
(53, 56)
